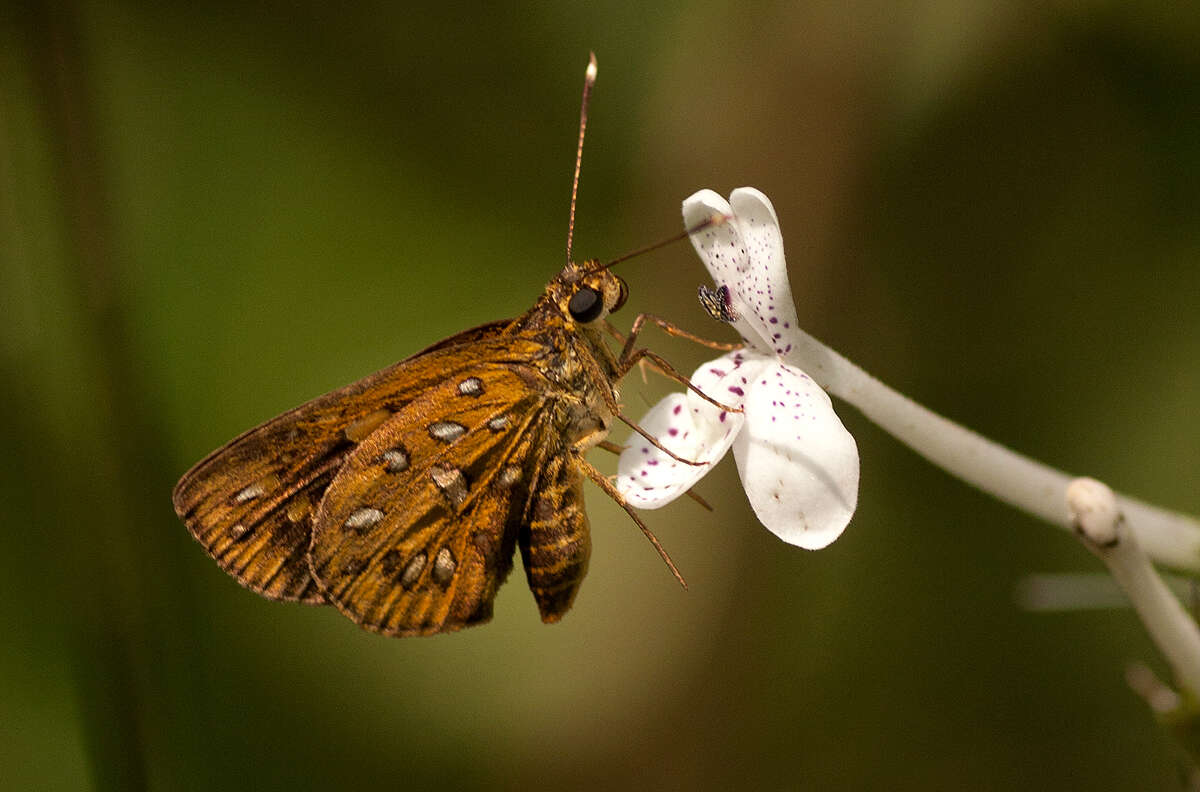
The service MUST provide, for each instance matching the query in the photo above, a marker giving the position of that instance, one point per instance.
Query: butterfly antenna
(715, 220)
(589, 80)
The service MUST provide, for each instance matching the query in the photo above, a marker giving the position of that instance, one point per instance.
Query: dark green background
(210, 214)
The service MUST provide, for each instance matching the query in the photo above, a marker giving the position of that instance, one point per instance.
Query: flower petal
(763, 286)
(725, 254)
(649, 478)
(725, 380)
(798, 463)
(692, 428)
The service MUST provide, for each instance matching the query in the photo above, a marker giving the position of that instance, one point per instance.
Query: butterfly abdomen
(556, 543)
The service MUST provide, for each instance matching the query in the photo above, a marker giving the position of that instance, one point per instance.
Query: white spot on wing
(447, 431)
(443, 566)
(396, 459)
(451, 482)
(249, 493)
(509, 476)
(413, 570)
(471, 386)
(363, 518)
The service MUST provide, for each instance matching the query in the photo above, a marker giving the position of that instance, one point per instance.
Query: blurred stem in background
(103, 525)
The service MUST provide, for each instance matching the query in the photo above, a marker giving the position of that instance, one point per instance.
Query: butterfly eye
(622, 295)
(585, 305)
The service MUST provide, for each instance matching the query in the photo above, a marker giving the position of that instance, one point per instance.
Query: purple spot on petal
(678, 407)
(737, 390)
(672, 432)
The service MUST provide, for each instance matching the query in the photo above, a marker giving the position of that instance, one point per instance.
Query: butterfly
(400, 499)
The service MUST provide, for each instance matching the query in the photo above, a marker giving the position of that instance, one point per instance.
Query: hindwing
(417, 530)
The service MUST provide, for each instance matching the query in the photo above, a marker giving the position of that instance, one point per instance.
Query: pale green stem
(1167, 537)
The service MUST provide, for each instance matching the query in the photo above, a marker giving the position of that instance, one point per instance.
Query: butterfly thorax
(566, 321)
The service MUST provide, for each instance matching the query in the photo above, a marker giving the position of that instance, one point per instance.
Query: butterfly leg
(614, 448)
(627, 363)
(631, 357)
(612, 331)
(611, 491)
(610, 401)
(643, 365)
(670, 328)
(610, 447)
(654, 441)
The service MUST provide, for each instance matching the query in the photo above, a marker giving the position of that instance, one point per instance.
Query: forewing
(250, 503)
(416, 533)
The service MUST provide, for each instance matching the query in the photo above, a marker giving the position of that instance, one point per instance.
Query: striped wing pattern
(416, 533)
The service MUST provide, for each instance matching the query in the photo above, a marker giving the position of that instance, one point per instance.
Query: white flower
(797, 462)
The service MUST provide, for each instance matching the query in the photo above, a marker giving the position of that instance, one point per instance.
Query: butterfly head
(587, 292)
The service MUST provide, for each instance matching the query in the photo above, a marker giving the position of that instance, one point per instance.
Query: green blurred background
(212, 212)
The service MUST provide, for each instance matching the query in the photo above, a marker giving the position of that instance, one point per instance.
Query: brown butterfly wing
(416, 533)
(250, 503)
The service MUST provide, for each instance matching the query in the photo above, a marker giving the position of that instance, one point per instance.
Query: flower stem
(1167, 537)
(1096, 518)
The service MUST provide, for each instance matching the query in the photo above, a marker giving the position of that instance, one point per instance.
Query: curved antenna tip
(589, 81)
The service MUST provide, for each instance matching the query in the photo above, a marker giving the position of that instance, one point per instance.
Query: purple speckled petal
(797, 462)
(763, 286)
(646, 476)
(692, 428)
(727, 380)
(724, 252)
